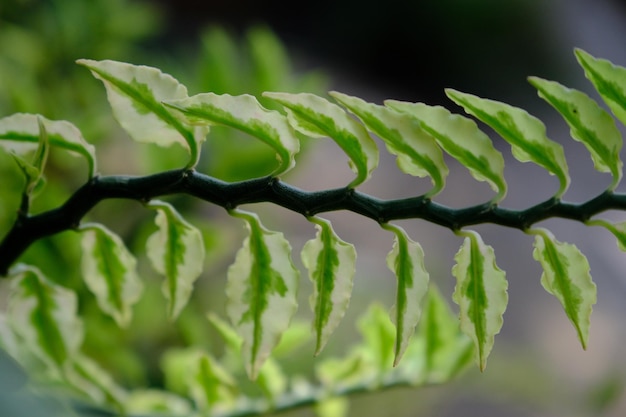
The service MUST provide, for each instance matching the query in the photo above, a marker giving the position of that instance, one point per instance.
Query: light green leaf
(447, 350)
(608, 79)
(332, 407)
(480, 293)
(406, 261)
(231, 338)
(272, 381)
(331, 263)
(589, 123)
(44, 316)
(566, 276)
(525, 133)
(153, 401)
(88, 377)
(246, 114)
(136, 93)
(176, 250)
(317, 117)
(418, 153)
(379, 337)
(617, 229)
(20, 134)
(261, 291)
(211, 386)
(110, 272)
(462, 139)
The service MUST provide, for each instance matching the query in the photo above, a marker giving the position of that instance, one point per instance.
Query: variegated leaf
(525, 133)
(261, 291)
(176, 250)
(331, 265)
(317, 117)
(110, 272)
(406, 260)
(246, 114)
(136, 93)
(480, 293)
(44, 316)
(589, 123)
(566, 276)
(418, 153)
(462, 139)
(20, 133)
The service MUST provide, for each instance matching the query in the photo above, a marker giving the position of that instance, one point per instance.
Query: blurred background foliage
(407, 50)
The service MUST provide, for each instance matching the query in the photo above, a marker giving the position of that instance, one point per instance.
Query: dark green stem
(28, 229)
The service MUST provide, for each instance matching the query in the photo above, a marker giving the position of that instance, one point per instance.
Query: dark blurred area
(412, 49)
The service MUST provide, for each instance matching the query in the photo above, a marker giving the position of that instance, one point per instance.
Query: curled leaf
(418, 153)
(317, 117)
(136, 93)
(246, 114)
(589, 123)
(462, 139)
(525, 133)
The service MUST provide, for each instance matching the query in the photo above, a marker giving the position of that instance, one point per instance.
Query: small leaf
(136, 93)
(272, 381)
(379, 335)
(589, 123)
(331, 263)
(332, 407)
(20, 133)
(406, 260)
(566, 276)
(261, 291)
(211, 386)
(608, 79)
(525, 133)
(418, 153)
(480, 293)
(447, 350)
(44, 316)
(155, 402)
(176, 250)
(462, 139)
(246, 114)
(88, 377)
(110, 272)
(317, 117)
(617, 229)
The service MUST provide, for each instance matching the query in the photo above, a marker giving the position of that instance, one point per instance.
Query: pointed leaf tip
(566, 276)
(331, 264)
(261, 291)
(480, 293)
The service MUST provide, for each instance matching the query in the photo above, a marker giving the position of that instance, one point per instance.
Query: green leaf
(88, 377)
(211, 386)
(332, 407)
(136, 93)
(246, 114)
(608, 79)
(406, 260)
(379, 338)
(566, 276)
(589, 123)
(617, 229)
(317, 117)
(44, 316)
(261, 291)
(270, 61)
(462, 139)
(525, 133)
(447, 350)
(480, 293)
(110, 272)
(20, 133)
(331, 263)
(176, 250)
(272, 381)
(156, 402)
(418, 153)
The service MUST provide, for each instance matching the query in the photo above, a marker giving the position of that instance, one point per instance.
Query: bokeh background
(408, 50)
